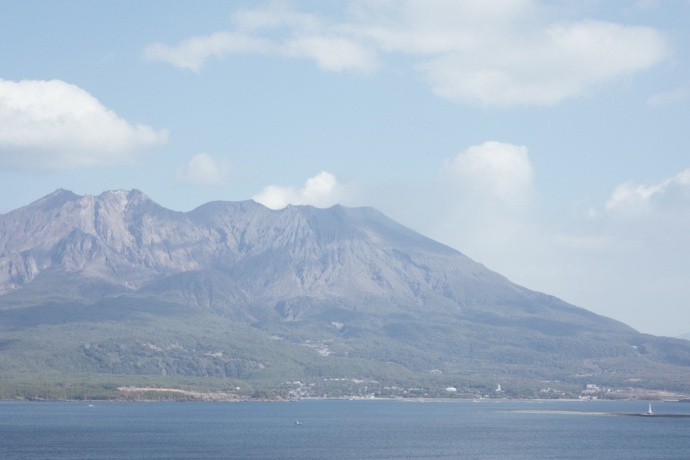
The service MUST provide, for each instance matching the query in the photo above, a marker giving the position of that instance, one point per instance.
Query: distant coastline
(616, 414)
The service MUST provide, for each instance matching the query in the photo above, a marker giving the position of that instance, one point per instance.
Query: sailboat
(649, 411)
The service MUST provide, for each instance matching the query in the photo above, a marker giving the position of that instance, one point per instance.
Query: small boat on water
(649, 411)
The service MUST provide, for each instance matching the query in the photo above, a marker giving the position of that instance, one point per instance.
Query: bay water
(319, 429)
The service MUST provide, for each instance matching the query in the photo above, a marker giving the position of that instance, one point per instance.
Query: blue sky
(547, 140)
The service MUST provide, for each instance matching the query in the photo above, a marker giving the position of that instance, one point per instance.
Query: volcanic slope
(117, 285)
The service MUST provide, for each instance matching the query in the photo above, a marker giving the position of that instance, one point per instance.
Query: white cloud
(493, 169)
(484, 52)
(545, 66)
(670, 97)
(321, 191)
(308, 37)
(205, 170)
(487, 207)
(193, 52)
(634, 200)
(56, 125)
(480, 202)
(334, 54)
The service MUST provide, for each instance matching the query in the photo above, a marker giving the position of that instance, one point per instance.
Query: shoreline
(219, 397)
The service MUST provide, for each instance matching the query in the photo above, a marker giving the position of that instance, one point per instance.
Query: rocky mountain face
(350, 278)
(288, 259)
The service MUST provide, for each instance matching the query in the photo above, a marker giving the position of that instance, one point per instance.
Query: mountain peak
(61, 196)
(129, 194)
(124, 198)
(55, 200)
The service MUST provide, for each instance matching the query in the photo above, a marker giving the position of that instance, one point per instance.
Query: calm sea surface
(342, 430)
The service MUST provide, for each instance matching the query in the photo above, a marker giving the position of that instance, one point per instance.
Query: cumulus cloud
(482, 52)
(480, 202)
(626, 260)
(205, 170)
(56, 125)
(635, 200)
(493, 169)
(321, 191)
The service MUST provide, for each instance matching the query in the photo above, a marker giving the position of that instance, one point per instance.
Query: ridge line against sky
(547, 141)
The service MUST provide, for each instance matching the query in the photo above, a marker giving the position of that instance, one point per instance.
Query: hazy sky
(549, 141)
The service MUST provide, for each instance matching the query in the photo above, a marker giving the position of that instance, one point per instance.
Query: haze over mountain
(116, 284)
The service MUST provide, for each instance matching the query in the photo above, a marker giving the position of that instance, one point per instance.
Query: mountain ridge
(362, 290)
(120, 231)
